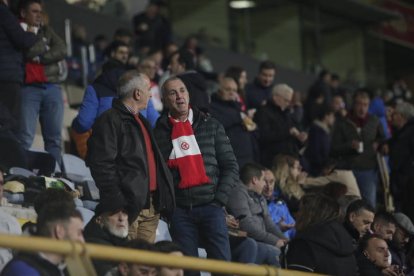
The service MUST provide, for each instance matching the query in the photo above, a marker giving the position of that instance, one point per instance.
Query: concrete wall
(280, 41)
(343, 53)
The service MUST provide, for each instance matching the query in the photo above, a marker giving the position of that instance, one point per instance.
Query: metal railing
(78, 257)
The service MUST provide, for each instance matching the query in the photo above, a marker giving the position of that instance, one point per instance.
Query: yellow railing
(78, 257)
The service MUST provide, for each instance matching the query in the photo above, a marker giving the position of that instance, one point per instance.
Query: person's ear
(23, 13)
(99, 220)
(137, 94)
(352, 217)
(59, 231)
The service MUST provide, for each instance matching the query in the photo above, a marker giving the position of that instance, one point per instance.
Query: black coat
(118, 162)
(325, 248)
(13, 40)
(219, 160)
(274, 125)
(242, 141)
(94, 233)
(366, 267)
(317, 150)
(402, 165)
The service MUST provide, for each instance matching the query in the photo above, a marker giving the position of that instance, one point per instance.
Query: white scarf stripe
(184, 146)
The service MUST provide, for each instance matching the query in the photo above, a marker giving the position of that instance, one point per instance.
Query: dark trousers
(10, 93)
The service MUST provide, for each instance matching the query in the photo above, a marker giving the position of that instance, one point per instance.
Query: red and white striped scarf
(186, 155)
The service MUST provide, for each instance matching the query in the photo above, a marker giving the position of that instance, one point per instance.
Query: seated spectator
(9, 225)
(108, 227)
(358, 219)
(321, 244)
(243, 249)
(384, 226)
(319, 141)
(278, 210)
(130, 269)
(56, 220)
(41, 200)
(172, 249)
(288, 176)
(372, 257)
(247, 204)
(237, 125)
(277, 133)
(399, 246)
(331, 174)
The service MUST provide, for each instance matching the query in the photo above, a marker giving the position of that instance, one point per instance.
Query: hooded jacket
(325, 248)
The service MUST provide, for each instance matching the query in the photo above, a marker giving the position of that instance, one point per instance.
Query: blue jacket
(13, 40)
(98, 98)
(377, 108)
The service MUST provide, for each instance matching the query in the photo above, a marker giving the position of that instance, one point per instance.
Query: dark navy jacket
(13, 40)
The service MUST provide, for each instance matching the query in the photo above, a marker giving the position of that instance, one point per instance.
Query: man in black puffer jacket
(204, 169)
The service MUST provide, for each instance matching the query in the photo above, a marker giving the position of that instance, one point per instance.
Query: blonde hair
(287, 184)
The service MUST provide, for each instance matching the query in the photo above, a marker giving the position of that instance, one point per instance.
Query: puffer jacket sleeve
(50, 47)
(229, 170)
(57, 51)
(102, 152)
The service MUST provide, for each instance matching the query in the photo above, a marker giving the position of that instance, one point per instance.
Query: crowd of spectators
(254, 172)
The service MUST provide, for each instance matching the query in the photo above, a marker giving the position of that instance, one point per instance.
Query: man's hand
(294, 132)
(302, 178)
(355, 144)
(284, 226)
(232, 222)
(280, 243)
(302, 137)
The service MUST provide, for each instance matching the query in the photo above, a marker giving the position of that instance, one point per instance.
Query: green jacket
(50, 49)
(218, 156)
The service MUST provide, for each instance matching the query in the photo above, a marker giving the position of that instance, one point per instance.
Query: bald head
(228, 89)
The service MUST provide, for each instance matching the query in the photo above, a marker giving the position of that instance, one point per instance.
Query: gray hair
(170, 79)
(406, 110)
(281, 89)
(129, 81)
